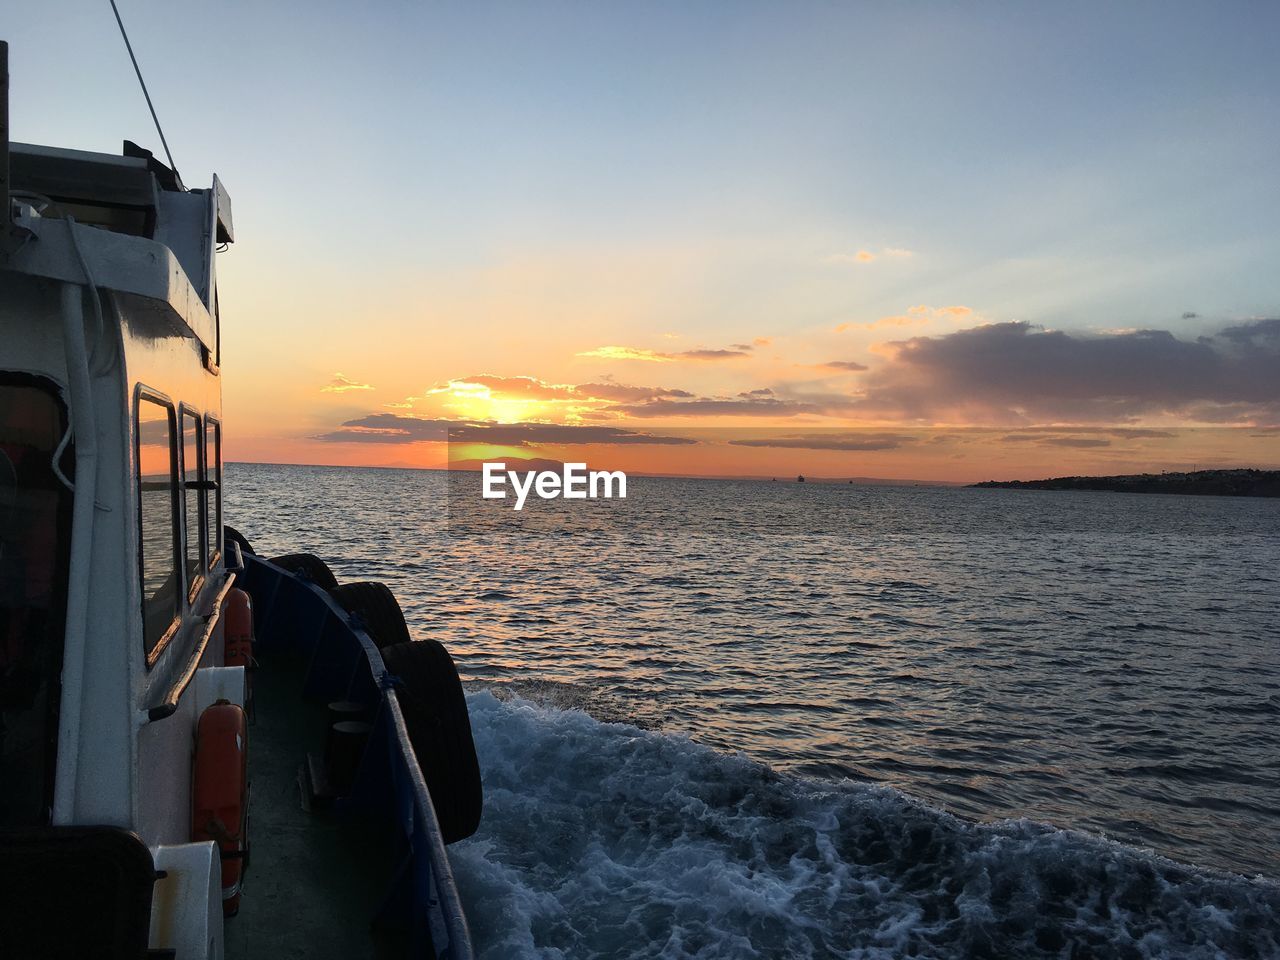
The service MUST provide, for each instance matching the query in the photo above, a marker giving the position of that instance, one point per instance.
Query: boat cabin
(112, 566)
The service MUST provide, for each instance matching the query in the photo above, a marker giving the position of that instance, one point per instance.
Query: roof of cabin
(155, 239)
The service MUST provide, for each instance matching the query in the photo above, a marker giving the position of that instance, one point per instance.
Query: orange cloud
(626, 353)
(862, 256)
(866, 256)
(341, 384)
(529, 388)
(734, 352)
(524, 398)
(918, 315)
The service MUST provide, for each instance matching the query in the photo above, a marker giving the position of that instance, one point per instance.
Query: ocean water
(752, 719)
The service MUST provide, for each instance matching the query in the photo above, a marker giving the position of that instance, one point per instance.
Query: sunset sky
(931, 241)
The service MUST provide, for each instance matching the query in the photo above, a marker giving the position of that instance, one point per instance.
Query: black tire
(435, 713)
(377, 606)
(232, 535)
(311, 566)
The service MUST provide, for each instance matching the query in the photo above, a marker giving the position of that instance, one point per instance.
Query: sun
(475, 401)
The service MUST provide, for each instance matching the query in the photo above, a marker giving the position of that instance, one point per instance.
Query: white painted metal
(115, 765)
(145, 275)
(219, 683)
(186, 908)
(82, 419)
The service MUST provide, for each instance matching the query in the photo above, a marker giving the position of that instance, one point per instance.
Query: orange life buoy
(237, 629)
(220, 793)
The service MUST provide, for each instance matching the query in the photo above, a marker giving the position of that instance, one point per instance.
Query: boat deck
(315, 880)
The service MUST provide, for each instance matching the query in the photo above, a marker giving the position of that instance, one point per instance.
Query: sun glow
(476, 401)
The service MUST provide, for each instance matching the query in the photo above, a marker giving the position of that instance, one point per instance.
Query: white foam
(604, 840)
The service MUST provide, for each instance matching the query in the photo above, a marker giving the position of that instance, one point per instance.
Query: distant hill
(792, 478)
(883, 482)
(519, 464)
(1217, 483)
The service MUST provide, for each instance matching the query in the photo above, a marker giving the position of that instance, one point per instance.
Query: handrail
(455, 917)
(450, 903)
(425, 840)
(169, 705)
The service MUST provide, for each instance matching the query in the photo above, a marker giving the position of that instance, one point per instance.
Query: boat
(204, 752)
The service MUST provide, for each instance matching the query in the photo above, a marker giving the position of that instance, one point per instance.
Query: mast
(12, 236)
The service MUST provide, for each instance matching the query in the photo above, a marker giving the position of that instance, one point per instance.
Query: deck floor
(315, 880)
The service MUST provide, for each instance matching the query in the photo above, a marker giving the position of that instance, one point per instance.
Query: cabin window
(213, 489)
(36, 471)
(157, 521)
(193, 500)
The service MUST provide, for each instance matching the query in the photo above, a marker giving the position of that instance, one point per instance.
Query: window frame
(213, 490)
(142, 392)
(193, 584)
(49, 711)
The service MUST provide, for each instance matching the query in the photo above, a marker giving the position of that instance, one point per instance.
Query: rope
(138, 70)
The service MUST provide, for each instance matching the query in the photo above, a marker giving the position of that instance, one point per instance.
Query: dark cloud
(716, 407)
(737, 350)
(1264, 334)
(1081, 442)
(1134, 433)
(392, 428)
(829, 441)
(762, 392)
(850, 365)
(154, 433)
(623, 392)
(1054, 435)
(1011, 372)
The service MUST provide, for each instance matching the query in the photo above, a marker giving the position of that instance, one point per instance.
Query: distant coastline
(520, 463)
(1217, 483)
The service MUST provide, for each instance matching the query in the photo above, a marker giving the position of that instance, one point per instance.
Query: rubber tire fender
(378, 607)
(435, 713)
(315, 569)
(232, 535)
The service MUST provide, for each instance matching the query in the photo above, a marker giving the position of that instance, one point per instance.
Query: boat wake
(605, 840)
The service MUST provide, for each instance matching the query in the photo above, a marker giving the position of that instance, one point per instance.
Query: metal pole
(5, 206)
(12, 236)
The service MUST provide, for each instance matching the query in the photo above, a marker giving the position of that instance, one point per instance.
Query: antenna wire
(138, 70)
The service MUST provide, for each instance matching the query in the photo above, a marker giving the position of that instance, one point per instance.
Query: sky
(929, 240)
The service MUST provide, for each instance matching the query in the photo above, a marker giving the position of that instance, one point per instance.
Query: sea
(766, 719)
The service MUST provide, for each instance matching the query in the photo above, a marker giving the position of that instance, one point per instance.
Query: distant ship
(800, 479)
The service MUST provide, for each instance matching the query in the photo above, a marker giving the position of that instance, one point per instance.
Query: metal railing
(294, 614)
